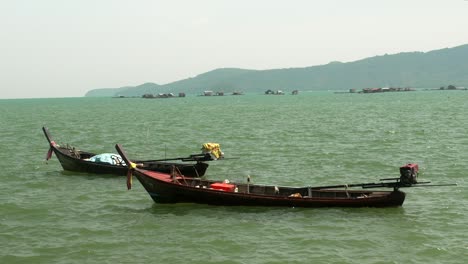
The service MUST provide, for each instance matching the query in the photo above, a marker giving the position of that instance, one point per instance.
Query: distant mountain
(124, 91)
(107, 92)
(408, 69)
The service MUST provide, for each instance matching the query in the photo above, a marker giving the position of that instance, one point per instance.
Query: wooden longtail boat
(73, 159)
(177, 188)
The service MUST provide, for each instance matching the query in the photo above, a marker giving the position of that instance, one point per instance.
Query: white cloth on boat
(110, 158)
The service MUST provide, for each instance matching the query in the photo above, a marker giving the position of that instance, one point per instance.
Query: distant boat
(386, 90)
(163, 95)
(271, 92)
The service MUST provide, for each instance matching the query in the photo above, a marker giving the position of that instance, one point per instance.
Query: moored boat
(176, 188)
(73, 159)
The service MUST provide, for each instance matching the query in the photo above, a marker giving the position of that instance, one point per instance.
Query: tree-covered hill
(408, 69)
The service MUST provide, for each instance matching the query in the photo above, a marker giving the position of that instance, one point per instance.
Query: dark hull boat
(176, 188)
(73, 159)
(164, 188)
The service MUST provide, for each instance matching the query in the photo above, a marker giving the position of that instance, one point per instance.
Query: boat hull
(75, 160)
(163, 190)
(78, 165)
(69, 163)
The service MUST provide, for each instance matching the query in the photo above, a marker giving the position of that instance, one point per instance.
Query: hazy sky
(64, 48)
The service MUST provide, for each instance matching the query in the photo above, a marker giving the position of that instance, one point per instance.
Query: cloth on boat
(110, 158)
(214, 149)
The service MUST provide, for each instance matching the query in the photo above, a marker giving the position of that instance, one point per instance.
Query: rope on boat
(196, 171)
(176, 172)
(73, 151)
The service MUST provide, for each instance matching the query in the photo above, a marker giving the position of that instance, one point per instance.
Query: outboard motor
(409, 173)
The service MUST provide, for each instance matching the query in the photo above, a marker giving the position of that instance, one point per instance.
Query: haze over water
(317, 138)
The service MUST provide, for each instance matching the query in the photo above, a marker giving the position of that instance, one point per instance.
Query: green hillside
(408, 69)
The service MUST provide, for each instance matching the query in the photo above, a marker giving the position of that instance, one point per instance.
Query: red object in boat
(223, 187)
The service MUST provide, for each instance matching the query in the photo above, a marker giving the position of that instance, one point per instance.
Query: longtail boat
(177, 188)
(73, 159)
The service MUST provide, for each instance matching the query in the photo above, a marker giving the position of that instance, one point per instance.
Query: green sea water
(48, 215)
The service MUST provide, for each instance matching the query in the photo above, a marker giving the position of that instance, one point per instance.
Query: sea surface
(48, 215)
